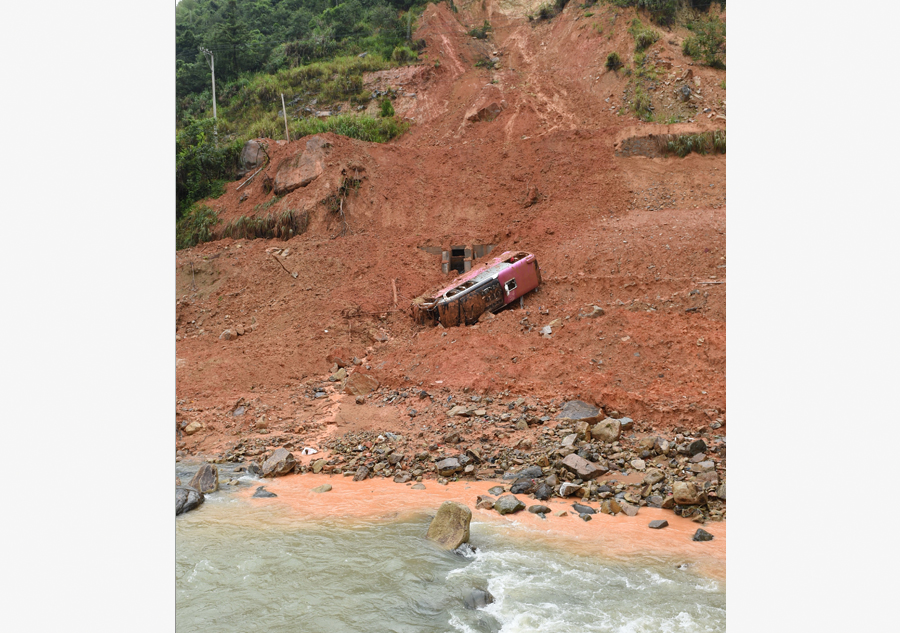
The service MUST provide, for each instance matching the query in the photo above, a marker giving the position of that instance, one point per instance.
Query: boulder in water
(450, 526)
(507, 504)
(186, 499)
(262, 493)
(322, 488)
(702, 535)
(543, 492)
(658, 524)
(478, 599)
(583, 509)
(206, 479)
(538, 509)
(280, 463)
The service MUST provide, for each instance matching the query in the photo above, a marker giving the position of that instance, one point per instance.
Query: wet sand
(618, 536)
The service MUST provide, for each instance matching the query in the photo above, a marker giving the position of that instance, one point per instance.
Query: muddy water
(354, 559)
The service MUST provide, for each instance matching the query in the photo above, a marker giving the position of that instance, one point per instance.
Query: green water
(241, 566)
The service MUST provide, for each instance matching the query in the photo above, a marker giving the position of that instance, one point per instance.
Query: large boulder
(186, 499)
(507, 504)
(359, 384)
(252, 157)
(577, 410)
(206, 479)
(280, 463)
(607, 430)
(478, 599)
(450, 526)
(582, 468)
(303, 168)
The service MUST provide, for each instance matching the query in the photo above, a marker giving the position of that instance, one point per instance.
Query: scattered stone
(461, 410)
(280, 463)
(577, 410)
(720, 492)
(610, 506)
(686, 493)
(658, 524)
(567, 489)
(629, 510)
(508, 504)
(450, 526)
(418, 486)
(318, 465)
(543, 492)
(192, 428)
(361, 473)
(561, 513)
(339, 375)
(522, 487)
(585, 517)
(626, 424)
(359, 384)
(607, 430)
(186, 499)
(538, 509)
(638, 464)
(582, 468)
(484, 502)
(448, 467)
(702, 535)
(654, 476)
(206, 480)
(261, 492)
(227, 335)
(478, 599)
(496, 490)
(532, 472)
(582, 509)
(402, 479)
(569, 440)
(697, 446)
(360, 399)
(322, 488)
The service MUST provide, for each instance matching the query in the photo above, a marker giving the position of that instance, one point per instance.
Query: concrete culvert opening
(459, 258)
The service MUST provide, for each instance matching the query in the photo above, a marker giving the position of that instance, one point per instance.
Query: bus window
(510, 286)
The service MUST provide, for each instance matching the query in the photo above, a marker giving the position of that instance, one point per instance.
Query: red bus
(486, 288)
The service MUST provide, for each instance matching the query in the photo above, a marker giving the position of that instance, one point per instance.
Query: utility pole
(212, 67)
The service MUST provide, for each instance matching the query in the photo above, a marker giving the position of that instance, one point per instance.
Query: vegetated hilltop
(557, 130)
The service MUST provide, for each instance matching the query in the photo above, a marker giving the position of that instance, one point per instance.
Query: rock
(484, 502)
(538, 509)
(610, 506)
(532, 472)
(561, 513)
(683, 93)
(569, 440)
(697, 446)
(252, 157)
(478, 599)
(448, 467)
(261, 492)
(658, 524)
(543, 492)
(359, 384)
(280, 463)
(508, 504)
(702, 535)
(339, 375)
(186, 499)
(402, 479)
(361, 473)
(654, 476)
(450, 526)
(638, 464)
(496, 490)
(487, 113)
(582, 468)
(239, 330)
(452, 438)
(227, 335)
(206, 480)
(461, 410)
(685, 493)
(720, 492)
(302, 168)
(192, 428)
(522, 487)
(628, 509)
(360, 400)
(607, 430)
(626, 424)
(577, 410)
(318, 465)
(568, 489)
(583, 509)
(704, 466)
(322, 488)
(418, 486)
(595, 312)
(668, 503)
(584, 517)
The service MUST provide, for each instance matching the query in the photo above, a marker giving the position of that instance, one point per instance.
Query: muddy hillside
(521, 141)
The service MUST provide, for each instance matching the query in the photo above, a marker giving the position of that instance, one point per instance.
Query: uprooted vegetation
(703, 143)
(335, 202)
(283, 225)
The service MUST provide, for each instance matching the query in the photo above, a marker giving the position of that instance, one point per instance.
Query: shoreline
(609, 536)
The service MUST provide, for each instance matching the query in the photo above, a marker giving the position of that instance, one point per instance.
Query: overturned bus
(486, 288)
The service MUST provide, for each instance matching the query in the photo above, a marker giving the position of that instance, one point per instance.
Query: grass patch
(284, 225)
(643, 37)
(195, 226)
(485, 62)
(641, 103)
(362, 127)
(703, 143)
(482, 32)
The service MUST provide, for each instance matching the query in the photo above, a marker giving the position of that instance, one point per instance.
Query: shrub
(387, 108)
(707, 42)
(195, 226)
(481, 33)
(403, 54)
(661, 11)
(200, 166)
(641, 104)
(613, 61)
